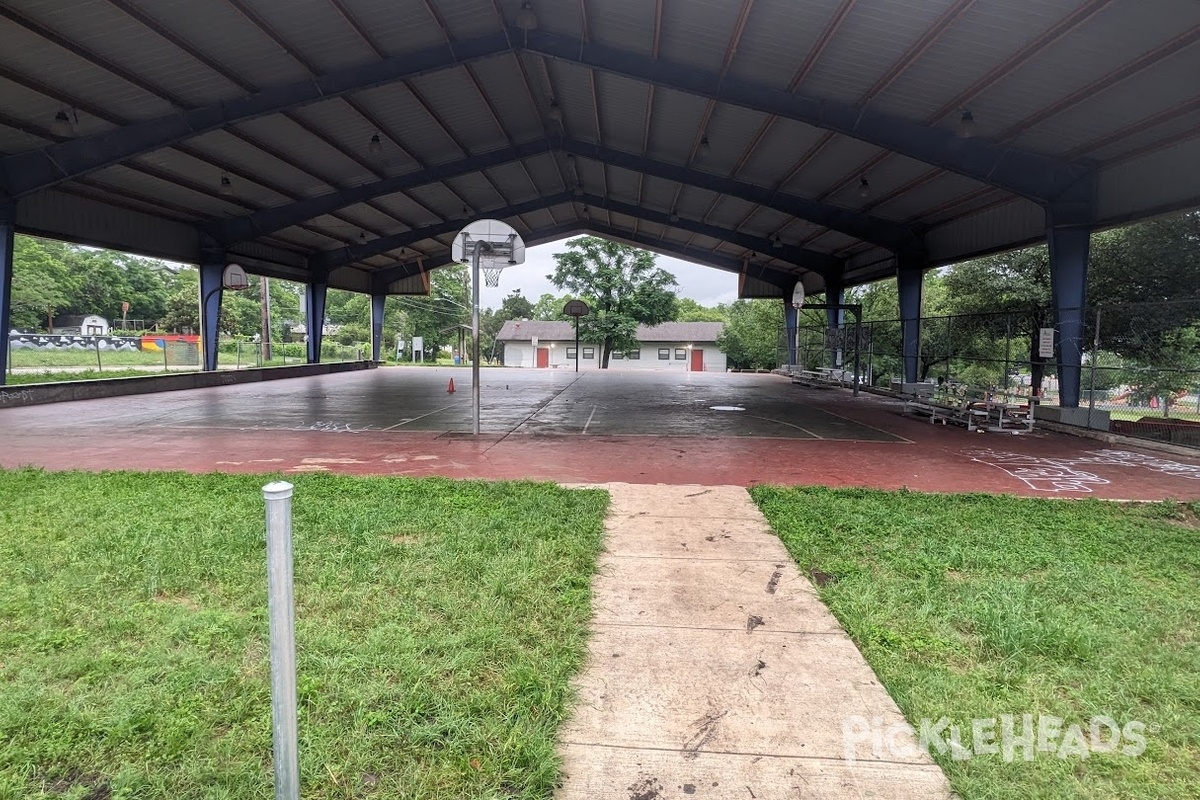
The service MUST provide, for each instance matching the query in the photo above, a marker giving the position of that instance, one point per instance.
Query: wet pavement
(635, 427)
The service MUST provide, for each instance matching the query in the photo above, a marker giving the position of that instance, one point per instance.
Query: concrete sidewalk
(714, 669)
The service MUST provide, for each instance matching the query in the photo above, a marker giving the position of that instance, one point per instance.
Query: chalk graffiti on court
(332, 427)
(1044, 474)
(1125, 458)
(1038, 473)
(16, 396)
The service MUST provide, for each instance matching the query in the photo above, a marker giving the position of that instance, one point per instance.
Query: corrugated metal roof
(1068, 78)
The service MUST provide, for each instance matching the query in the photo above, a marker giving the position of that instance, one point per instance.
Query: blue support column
(212, 270)
(314, 317)
(1068, 281)
(377, 304)
(834, 317)
(791, 319)
(7, 219)
(909, 282)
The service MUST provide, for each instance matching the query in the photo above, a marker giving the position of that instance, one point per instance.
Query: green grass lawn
(85, 358)
(438, 624)
(972, 607)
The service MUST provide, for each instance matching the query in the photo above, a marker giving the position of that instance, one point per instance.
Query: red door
(697, 360)
(543, 357)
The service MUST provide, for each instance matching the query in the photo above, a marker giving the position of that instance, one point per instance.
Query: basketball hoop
(491, 276)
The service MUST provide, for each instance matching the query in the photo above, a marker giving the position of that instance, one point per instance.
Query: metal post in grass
(99, 364)
(278, 497)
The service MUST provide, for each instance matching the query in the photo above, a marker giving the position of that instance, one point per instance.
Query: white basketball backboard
(503, 246)
(798, 296)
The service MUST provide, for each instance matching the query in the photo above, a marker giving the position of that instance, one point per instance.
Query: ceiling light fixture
(554, 112)
(674, 216)
(578, 189)
(375, 146)
(705, 147)
(864, 188)
(225, 188)
(966, 125)
(777, 242)
(586, 214)
(466, 212)
(362, 237)
(526, 18)
(63, 125)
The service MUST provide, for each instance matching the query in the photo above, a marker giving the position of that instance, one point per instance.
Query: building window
(664, 354)
(680, 354)
(617, 355)
(634, 355)
(570, 353)
(589, 352)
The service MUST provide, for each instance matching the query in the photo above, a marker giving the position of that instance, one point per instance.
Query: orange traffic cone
(450, 388)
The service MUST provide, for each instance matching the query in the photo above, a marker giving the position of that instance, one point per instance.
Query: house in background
(87, 325)
(682, 346)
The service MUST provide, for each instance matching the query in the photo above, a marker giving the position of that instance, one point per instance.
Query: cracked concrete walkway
(715, 671)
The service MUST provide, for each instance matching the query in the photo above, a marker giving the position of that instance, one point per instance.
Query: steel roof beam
(812, 260)
(877, 230)
(332, 259)
(1038, 177)
(776, 277)
(821, 263)
(31, 171)
(261, 223)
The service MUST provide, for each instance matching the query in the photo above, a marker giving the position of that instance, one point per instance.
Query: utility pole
(264, 303)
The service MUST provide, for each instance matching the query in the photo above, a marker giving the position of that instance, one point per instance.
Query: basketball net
(491, 277)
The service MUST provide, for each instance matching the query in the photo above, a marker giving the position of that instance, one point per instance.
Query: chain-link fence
(34, 358)
(1141, 362)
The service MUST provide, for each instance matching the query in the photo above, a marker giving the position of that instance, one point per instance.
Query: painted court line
(589, 419)
(423, 416)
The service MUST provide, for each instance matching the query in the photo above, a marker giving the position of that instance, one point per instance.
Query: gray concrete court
(515, 401)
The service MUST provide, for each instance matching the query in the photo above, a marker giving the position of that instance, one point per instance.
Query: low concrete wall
(39, 393)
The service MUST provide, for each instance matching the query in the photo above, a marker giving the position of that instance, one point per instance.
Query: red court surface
(591, 428)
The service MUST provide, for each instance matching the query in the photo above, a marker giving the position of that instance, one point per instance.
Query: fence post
(278, 497)
(96, 344)
(1007, 348)
(166, 360)
(1092, 368)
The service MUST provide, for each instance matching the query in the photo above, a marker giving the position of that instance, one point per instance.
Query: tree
(621, 284)
(40, 282)
(514, 306)
(1009, 296)
(441, 316)
(549, 308)
(688, 310)
(750, 339)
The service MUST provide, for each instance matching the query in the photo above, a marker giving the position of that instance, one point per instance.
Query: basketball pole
(475, 336)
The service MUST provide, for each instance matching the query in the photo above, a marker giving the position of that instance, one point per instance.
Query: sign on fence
(1045, 342)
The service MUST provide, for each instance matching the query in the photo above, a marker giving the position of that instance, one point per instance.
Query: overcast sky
(705, 285)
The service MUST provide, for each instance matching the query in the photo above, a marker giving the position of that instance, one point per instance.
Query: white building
(680, 346)
(87, 325)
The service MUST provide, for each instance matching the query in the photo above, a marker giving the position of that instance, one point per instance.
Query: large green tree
(688, 310)
(621, 284)
(751, 337)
